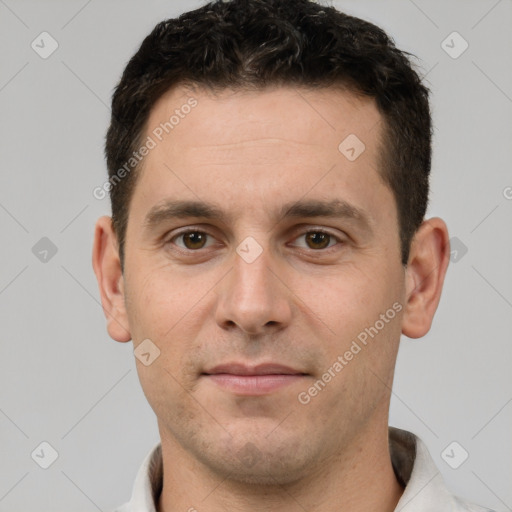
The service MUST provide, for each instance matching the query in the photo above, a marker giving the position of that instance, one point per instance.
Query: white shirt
(425, 490)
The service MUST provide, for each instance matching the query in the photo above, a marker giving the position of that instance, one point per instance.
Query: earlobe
(107, 267)
(425, 273)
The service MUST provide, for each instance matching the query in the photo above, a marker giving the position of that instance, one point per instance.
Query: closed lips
(262, 369)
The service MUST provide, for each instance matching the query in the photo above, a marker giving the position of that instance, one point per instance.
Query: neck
(359, 480)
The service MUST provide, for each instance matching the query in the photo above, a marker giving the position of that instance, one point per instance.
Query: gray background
(64, 381)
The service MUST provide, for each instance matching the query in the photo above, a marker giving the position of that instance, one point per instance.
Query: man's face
(274, 282)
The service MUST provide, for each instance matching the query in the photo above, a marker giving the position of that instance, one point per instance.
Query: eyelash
(315, 230)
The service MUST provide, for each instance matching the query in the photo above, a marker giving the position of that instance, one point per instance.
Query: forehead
(246, 149)
(323, 116)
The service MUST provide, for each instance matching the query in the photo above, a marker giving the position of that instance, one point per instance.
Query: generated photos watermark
(151, 142)
(305, 397)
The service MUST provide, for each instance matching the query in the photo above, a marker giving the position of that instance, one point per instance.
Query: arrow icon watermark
(146, 352)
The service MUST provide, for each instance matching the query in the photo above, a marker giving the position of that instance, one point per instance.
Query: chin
(260, 462)
(271, 471)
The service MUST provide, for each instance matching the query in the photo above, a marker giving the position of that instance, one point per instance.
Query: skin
(299, 303)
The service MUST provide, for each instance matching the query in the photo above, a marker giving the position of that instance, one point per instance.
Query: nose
(254, 297)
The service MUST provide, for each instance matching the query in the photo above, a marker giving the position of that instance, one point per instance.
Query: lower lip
(253, 384)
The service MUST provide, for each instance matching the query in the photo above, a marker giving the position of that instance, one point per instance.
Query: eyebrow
(336, 208)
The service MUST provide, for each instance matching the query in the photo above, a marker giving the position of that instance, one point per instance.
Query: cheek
(344, 300)
(163, 302)
(170, 310)
(356, 306)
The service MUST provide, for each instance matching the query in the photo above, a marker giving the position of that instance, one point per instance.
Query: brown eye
(192, 240)
(317, 239)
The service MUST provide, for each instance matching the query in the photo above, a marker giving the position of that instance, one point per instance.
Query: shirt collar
(425, 490)
(414, 468)
(148, 483)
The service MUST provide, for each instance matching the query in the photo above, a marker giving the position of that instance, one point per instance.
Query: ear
(426, 269)
(107, 267)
